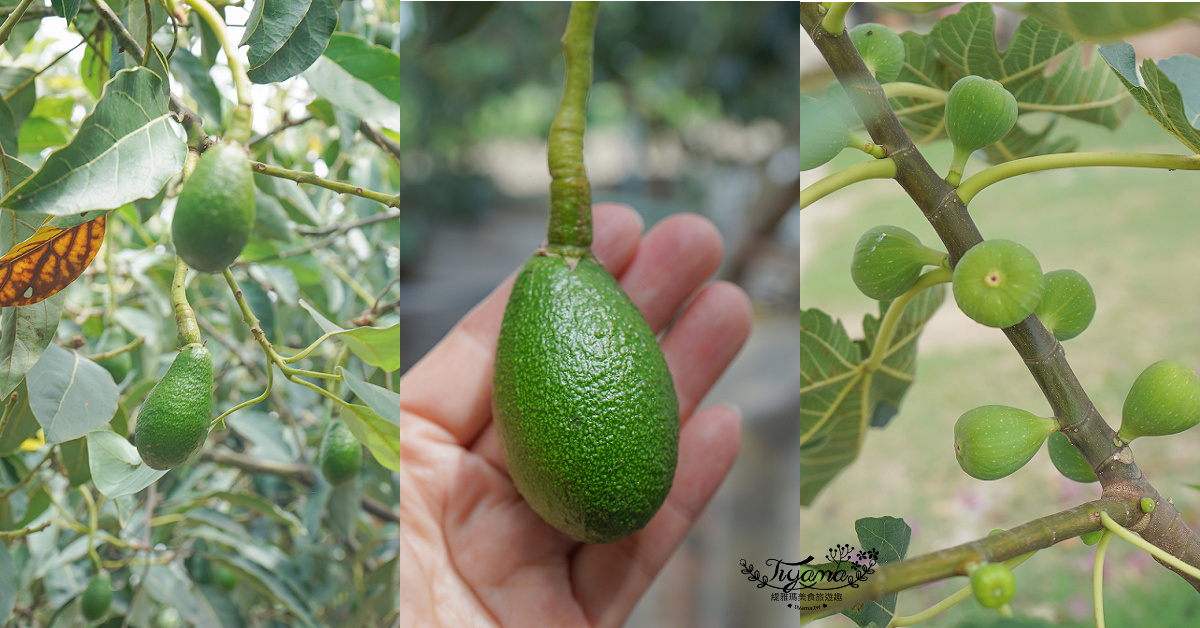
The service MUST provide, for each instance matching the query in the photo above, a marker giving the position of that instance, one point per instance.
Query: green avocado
(97, 597)
(583, 402)
(341, 454)
(215, 213)
(174, 420)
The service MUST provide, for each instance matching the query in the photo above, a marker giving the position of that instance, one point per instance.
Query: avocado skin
(174, 420)
(97, 597)
(583, 402)
(215, 213)
(341, 454)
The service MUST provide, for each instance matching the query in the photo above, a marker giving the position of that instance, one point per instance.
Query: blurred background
(694, 108)
(1133, 234)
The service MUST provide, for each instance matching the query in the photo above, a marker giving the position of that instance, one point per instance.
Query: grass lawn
(1135, 234)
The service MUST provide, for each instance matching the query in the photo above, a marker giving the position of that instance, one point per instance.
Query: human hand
(472, 551)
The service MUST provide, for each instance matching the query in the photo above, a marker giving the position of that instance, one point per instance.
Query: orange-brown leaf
(48, 261)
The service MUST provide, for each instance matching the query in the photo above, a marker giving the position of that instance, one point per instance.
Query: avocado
(341, 454)
(215, 211)
(97, 597)
(174, 420)
(583, 401)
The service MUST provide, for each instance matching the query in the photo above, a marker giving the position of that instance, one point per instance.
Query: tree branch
(336, 186)
(1078, 418)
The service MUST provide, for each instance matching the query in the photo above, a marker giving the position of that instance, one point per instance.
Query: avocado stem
(570, 228)
(185, 319)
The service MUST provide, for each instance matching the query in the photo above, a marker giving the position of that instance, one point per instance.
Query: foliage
(100, 124)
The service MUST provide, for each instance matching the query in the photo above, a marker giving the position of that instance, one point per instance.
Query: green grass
(1135, 234)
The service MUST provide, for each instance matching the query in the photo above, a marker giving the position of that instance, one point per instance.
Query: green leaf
(192, 73)
(359, 77)
(271, 441)
(125, 150)
(9, 136)
(21, 100)
(38, 134)
(889, 537)
(1108, 21)
(174, 590)
(75, 461)
(117, 468)
(376, 425)
(373, 345)
(70, 395)
(8, 584)
(288, 37)
(249, 501)
(92, 68)
(1161, 97)
(66, 9)
(839, 397)
(21, 423)
(265, 583)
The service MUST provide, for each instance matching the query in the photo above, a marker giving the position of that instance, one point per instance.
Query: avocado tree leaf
(266, 583)
(376, 346)
(192, 73)
(168, 585)
(23, 100)
(1161, 96)
(377, 424)
(840, 396)
(66, 9)
(884, 540)
(8, 584)
(1108, 21)
(359, 77)
(70, 395)
(287, 37)
(125, 150)
(21, 423)
(249, 501)
(75, 461)
(117, 468)
(49, 260)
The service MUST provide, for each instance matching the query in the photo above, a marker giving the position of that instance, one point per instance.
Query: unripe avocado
(584, 403)
(992, 442)
(979, 113)
(224, 578)
(888, 260)
(881, 49)
(1068, 303)
(1164, 400)
(173, 423)
(215, 212)
(97, 597)
(341, 454)
(998, 283)
(1068, 460)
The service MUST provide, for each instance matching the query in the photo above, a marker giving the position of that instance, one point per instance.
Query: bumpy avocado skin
(341, 454)
(584, 403)
(215, 213)
(173, 422)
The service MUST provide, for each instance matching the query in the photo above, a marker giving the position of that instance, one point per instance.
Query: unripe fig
(1068, 460)
(888, 260)
(1164, 399)
(1091, 538)
(993, 584)
(1068, 303)
(823, 134)
(992, 442)
(998, 283)
(979, 112)
(881, 50)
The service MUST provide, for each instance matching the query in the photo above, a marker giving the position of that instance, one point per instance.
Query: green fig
(992, 442)
(823, 134)
(1068, 303)
(888, 260)
(881, 50)
(979, 113)
(1164, 399)
(998, 283)
(993, 584)
(1091, 538)
(1068, 460)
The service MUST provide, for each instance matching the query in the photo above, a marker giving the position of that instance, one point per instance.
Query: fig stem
(835, 19)
(570, 228)
(1154, 551)
(1098, 574)
(875, 169)
(951, 600)
(891, 319)
(1008, 169)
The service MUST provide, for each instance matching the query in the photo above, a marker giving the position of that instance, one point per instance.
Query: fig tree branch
(1078, 418)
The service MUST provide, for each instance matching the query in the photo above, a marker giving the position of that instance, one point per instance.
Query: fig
(1091, 538)
(1164, 399)
(881, 50)
(823, 134)
(888, 260)
(992, 442)
(979, 113)
(1068, 303)
(1146, 504)
(1068, 460)
(998, 283)
(993, 584)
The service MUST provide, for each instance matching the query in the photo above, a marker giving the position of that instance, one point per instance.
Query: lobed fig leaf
(993, 584)
(979, 113)
(888, 260)
(998, 283)
(1164, 400)
(823, 134)
(992, 442)
(1068, 460)
(1068, 303)
(881, 50)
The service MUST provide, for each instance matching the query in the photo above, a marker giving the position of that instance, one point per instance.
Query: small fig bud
(1164, 400)
(998, 283)
(881, 50)
(888, 260)
(993, 585)
(1068, 460)
(992, 442)
(1068, 303)
(1091, 538)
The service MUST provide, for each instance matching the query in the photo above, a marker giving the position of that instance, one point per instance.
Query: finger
(609, 579)
(705, 340)
(452, 385)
